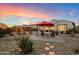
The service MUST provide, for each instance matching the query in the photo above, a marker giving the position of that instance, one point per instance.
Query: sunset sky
(29, 13)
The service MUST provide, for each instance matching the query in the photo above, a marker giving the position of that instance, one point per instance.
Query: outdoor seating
(47, 34)
(42, 33)
(39, 33)
(43, 28)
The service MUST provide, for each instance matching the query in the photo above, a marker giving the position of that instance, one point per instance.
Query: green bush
(25, 44)
(3, 32)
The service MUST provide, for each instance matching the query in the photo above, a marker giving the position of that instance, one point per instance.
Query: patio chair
(42, 33)
(52, 33)
(47, 34)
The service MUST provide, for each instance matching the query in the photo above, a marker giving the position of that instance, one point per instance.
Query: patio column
(38, 29)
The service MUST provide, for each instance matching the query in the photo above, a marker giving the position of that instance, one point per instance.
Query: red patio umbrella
(45, 23)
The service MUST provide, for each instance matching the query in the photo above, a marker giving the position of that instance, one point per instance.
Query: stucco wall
(61, 22)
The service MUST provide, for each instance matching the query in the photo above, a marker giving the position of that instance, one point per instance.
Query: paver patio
(49, 39)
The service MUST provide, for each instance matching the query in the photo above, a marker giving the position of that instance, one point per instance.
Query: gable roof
(66, 21)
(56, 21)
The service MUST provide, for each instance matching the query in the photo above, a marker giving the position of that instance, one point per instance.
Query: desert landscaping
(62, 44)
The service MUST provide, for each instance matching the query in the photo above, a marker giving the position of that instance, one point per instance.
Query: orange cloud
(6, 10)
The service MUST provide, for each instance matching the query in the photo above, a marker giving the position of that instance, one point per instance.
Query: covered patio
(45, 28)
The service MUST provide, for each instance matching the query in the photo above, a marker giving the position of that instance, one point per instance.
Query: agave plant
(25, 44)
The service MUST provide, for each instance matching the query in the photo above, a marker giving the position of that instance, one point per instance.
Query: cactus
(25, 44)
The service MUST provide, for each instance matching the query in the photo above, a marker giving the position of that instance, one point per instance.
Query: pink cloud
(2, 16)
(6, 10)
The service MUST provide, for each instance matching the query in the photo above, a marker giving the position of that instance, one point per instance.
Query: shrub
(74, 30)
(77, 51)
(11, 34)
(68, 31)
(2, 32)
(19, 33)
(24, 33)
(25, 44)
(8, 30)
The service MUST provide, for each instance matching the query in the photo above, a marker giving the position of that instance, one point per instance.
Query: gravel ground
(41, 47)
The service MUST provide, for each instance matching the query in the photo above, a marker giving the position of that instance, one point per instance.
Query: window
(62, 27)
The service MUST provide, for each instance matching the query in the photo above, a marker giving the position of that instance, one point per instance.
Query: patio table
(47, 34)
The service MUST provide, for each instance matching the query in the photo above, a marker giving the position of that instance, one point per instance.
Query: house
(62, 25)
(4, 26)
(22, 28)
